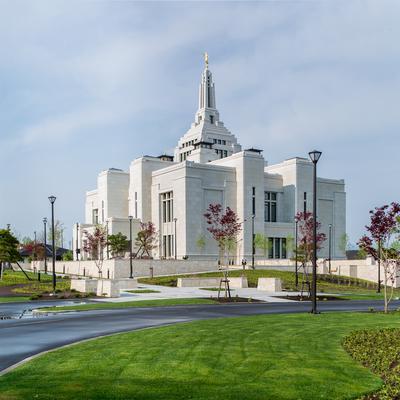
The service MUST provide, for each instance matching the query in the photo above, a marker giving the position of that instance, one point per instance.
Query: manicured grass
(326, 283)
(363, 296)
(16, 278)
(11, 278)
(270, 357)
(213, 289)
(127, 304)
(143, 291)
(13, 299)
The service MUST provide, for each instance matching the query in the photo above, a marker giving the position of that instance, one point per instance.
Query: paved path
(23, 338)
(166, 292)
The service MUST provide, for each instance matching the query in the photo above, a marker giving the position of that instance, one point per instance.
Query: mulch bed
(235, 299)
(307, 298)
(6, 291)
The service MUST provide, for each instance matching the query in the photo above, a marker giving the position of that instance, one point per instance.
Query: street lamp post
(108, 247)
(52, 199)
(252, 241)
(130, 247)
(314, 157)
(296, 266)
(77, 250)
(45, 244)
(34, 251)
(175, 244)
(330, 248)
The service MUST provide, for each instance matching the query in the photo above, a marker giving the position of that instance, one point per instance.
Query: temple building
(210, 166)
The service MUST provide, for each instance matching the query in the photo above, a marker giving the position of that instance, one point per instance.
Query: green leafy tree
(201, 243)
(344, 243)
(68, 256)
(290, 245)
(261, 242)
(118, 244)
(8, 249)
(58, 233)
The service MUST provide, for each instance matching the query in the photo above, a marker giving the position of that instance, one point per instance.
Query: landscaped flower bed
(379, 350)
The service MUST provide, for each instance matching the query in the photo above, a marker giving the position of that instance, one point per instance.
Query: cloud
(290, 76)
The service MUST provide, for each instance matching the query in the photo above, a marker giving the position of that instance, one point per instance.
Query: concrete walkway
(165, 292)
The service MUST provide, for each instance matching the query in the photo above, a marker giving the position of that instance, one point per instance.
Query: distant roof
(59, 251)
(254, 150)
(114, 169)
(166, 157)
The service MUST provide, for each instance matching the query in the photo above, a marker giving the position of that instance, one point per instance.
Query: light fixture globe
(52, 199)
(45, 220)
(314, 155)
(130, 217)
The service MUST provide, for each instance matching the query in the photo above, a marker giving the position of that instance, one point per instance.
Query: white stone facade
(209, 166)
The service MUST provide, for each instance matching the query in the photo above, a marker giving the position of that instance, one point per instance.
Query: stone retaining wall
(120, 268)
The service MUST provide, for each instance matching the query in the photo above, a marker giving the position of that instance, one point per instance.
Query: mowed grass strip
(128, 304)
(294, 356)
(13, 299)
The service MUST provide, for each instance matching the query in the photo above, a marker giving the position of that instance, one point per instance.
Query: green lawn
(11, 278)
(270, 357)
(13, 299)
(350, 287)
(15, 278)
(127, 304)
(143, 291)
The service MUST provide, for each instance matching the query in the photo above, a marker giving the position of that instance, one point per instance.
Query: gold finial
(206, 59)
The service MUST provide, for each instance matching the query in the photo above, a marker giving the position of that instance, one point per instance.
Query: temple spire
(206, 60)
(207, 88)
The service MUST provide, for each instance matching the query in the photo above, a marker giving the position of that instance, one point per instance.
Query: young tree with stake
(224, 227)
(382, 243)
(94, 245)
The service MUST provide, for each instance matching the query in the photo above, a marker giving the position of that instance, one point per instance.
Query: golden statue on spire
(206, 59)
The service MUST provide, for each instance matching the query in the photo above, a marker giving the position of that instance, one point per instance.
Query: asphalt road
(22, 338)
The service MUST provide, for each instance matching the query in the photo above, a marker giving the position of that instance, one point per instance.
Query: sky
(89, 85)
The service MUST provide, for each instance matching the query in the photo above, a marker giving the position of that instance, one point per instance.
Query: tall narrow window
(95, 216)
(271, 247)
(277, 248)
(211, 119)
(284, 251)
(270, 206)
(305, 202)
(102, 211)
(135, 204)
(167, 209)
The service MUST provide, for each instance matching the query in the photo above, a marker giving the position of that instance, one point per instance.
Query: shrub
(379, 351)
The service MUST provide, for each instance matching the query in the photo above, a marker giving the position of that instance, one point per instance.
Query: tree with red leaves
(146, 239)
(223, 226)
(381, 243)
(94, 244)
(305, 247)
(35, 250)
